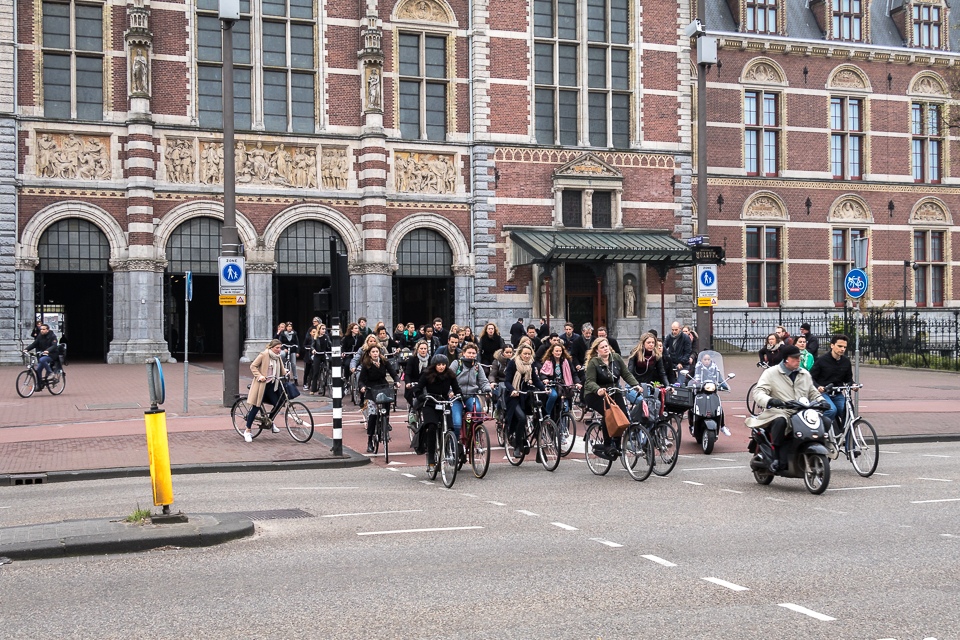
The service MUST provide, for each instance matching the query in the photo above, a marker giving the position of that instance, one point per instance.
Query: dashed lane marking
(806, 612)
(384, 533)
(839, 513)
(394, 462)
(315, 488)
(499, 504)
(877, 473)
(607, 542)
(882, 486)
(934, 455)
(565, 527)
(929, 501)
(469, 495)
(728, 585)
(731, 491)
(528, 513)
(659, 560)
(368, 513)
(698, 484)
(725, 459)
(775, 499)
(425, 482)
(390, 469)
(947, 535)
(935, 479)
(713, 468)
(408, 475)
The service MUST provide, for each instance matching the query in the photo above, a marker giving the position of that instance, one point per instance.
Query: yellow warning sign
(706, 302)
(232, 300)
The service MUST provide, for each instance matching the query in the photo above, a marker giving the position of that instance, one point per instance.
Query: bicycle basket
(682, 400)
(386, 396)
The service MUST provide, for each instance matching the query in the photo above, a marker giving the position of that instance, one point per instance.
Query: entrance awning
(589, 245)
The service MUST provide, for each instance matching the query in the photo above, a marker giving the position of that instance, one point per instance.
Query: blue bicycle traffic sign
(856, 283)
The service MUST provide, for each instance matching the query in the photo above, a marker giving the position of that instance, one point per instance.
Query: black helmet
(440, 359)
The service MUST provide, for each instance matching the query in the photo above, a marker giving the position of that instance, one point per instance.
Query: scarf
(524, 373)
(424, 362)
(274, 368)
(289, 334)
(647, 358)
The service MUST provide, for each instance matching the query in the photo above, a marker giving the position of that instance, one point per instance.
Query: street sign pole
(855, 285)
(229, 239)
(704, 314)
(187, 297)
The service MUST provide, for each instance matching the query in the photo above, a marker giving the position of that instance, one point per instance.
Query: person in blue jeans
(472, 384)
(555, 366)
(833, 368)
(46, 345)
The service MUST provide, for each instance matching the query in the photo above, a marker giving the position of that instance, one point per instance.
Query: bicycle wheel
(508, 449)
(449, 459)
(384, 427)
(577, 408)
(665, 439)
(637, 452)
(751, 404)
(238, 414)
(26, 383)
(548, 444)
(863, 452)
(437, 450)
(567, 433)
(677, 424)
(299, 421)
(500, 436)
(57, 382)
(592, 437)
(480, 450)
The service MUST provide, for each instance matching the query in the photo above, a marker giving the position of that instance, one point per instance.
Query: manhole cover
(277, 514)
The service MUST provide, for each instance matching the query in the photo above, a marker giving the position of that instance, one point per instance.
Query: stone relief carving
(629, 298)
(334, 168)
(428, 10)
(157, 266)
(850, 209)
(425, 172)
(929, 84)
(73, 157)
(257, 165)
(587, 166)
(847, 79)
(765, 207)
(762, 72)
(930, 212)
(261, 267)
(179, 160)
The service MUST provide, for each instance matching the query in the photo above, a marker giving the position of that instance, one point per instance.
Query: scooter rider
(785, 382)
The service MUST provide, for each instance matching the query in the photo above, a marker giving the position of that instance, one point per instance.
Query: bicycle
(381, 430)
(751, 403)
(663, 434)
(446, 448)
(564, 417)
(539, 428)
(858, 436)
(636, 445)
(55, 382)
(324, 373)
(476, 441)
(296, 417)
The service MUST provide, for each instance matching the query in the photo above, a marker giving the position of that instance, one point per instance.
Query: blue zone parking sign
(856, 283)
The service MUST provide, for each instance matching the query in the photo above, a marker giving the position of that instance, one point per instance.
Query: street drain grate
(277, 514)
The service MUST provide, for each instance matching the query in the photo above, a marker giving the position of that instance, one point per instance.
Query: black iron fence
(917, 338)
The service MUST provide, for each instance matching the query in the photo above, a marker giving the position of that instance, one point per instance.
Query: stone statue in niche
(629, 298)
(544, 297)
(374, 90)
(425, 173)
(72, 157)
(140, 72)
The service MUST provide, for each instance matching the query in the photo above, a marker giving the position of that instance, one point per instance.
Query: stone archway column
(463, 295)
(138, 312)
(259, 312)
(20, 336)
(371, 285)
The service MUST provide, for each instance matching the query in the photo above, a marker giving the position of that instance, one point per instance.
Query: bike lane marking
(565, 527)
(659, 560)
(384, 533)
(698, 484)
(408, 475)
(607, 543)
(368, 513)
(728, 585)
(930, 501)
(882, 486)
(714, 468)
(528, 513)
(499, 504)
(806, 612)
(935, 479)
(732, 491)
(933, 455)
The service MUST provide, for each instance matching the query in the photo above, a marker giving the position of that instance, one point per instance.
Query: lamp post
(229, 239)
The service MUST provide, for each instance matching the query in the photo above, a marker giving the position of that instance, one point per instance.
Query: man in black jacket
(679, 348)
(517, 331)
(451, 349)
(602, 333)
(833, 368)
(46, 346)
(439, 331)
(579, 350)
(813, 345)
(568, 336)
(546, 344)
(544, 329)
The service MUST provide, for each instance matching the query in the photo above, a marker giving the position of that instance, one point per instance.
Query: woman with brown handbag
(604, 369)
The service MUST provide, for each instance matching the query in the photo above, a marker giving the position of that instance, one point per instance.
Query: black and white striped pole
(337, 390)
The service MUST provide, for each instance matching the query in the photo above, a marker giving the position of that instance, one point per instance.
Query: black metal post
(229, 239)
(336, 364)
(703, 314)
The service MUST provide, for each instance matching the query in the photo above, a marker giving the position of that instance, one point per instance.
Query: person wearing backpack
(472, 382)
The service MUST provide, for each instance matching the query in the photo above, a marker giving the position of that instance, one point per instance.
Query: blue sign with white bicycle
(856, 283)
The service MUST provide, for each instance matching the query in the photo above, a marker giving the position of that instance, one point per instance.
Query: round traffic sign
(232, 273)
(707, 278)
(856, 283)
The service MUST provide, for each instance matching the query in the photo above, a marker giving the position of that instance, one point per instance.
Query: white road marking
(315, 488)
(397, 453)
(805, 611)
(685, 455)
(659, 560)
(499, 504)
(6, 507)
(776, 499)
(842, 513)
(606, 542)
(947, 535)
(883, 486)
(713, 468)
(699, 484)
(408, 475)
(425, 482)
(369, 513)
(390, 469)
(469, 495)
(393, 462)
(725, 459)
(528, 513)
(737, 416)
(877, 473)
(935, 479)
(888, 451)
(564, 526)
(929, 501)
(383, 533)
(731, 491)
(933, 455)
(728, 585)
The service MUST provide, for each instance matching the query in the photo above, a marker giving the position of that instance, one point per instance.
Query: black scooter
(806, 450)
(706, 418)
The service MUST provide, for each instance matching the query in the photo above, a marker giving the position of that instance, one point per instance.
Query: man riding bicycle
(46, 346)
(472, 383)
(833, 368)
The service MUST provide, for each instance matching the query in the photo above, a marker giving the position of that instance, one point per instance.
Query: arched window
(304, 248)
(73, 245)
(195, 246)
(424, 253)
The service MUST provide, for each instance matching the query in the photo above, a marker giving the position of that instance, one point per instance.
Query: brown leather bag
(617, 421)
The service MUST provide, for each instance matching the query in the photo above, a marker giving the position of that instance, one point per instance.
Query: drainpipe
(473, 170)
(18, 330)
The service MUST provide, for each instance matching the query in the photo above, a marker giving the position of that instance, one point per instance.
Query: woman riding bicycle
(521, 375)
(440, 383)
(373, 379)
(490, 343)
(646, 364)
(555, 366)
(370, 341)
(268, 373)
(604, 369)
(416, 365)
(771, 352)
(472, 382)
(320, 347)
(351, 339)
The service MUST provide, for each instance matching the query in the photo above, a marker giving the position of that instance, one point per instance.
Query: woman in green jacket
(806, 358)
(604, 369)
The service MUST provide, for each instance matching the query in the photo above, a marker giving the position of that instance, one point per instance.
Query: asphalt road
(703, 553)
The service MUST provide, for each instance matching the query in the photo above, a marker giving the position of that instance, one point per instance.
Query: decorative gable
(588, 166)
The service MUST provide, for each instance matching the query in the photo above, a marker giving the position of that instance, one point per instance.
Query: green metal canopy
(590, 245)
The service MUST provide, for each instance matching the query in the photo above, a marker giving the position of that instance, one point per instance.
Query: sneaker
(725, 431)
(247, 437)
(518, 452)
(431, 467)
(275, 429)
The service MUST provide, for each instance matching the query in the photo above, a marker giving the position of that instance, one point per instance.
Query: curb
(204, 530)
(350, 459)
(919, 438)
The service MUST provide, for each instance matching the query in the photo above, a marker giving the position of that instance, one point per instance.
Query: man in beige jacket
(782, 383)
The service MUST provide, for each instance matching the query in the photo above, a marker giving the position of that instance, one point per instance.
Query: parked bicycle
(55, 382)
(296, 416)
(857, 439)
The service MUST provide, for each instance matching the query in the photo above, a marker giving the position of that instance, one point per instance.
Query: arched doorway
(303, 268)
(74, 286)
(194, 246)
(423, 284)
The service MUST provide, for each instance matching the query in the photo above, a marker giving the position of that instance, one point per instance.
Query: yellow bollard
(159, 452)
